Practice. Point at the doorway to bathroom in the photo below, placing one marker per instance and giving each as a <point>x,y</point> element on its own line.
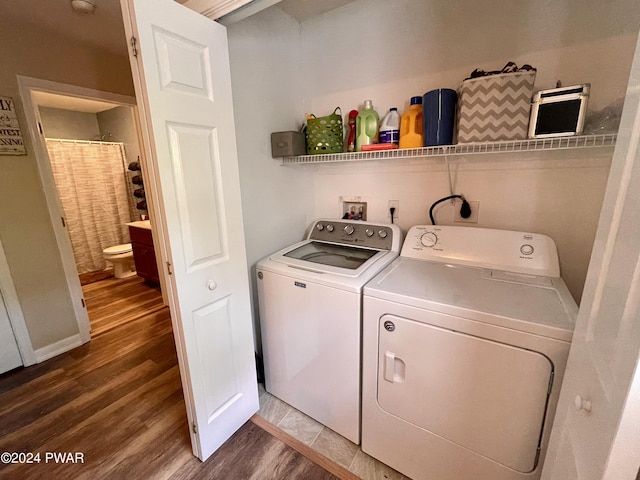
<point>92,182</point>
<point>90,162</point>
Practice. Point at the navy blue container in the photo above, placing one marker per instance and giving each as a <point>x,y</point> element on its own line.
<point>439,107</point>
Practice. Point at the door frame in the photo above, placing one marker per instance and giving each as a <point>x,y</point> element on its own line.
<point>27,87</point>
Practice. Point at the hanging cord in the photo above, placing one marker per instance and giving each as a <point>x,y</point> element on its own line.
<point>446,161</point>
<point>465,209</point>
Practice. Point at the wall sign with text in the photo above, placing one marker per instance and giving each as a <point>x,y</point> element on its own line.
<point>10,135</point>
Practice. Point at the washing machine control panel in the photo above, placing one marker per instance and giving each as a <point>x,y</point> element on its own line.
<point>357,233</point>
<point>518,252</point>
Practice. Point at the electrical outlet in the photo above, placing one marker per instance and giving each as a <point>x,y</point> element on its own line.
<point>354,210</point>
<point>475,208</point>
<point>395,204</point>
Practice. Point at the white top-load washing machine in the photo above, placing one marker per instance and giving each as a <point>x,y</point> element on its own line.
<point>465,341</point>
<point>310,298</point>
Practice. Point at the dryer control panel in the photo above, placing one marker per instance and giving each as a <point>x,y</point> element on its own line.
<point>519,252</point>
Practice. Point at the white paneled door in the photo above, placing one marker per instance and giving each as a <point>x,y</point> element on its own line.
<point>181,73</point>
<point>9,353</point>
<point>596,435</point>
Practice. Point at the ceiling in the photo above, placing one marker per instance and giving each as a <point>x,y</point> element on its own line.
<point>104,29</point>
<point>303,10</point>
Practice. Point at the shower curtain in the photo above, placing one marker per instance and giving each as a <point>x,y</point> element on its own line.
<point>91,183</point>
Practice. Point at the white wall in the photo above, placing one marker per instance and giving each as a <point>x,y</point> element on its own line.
<point>559,195</point>
<point>265,72</point>
<point>388,51</point>
<point>58,123</point>
<point>119,125</point>
<point>277,202</point>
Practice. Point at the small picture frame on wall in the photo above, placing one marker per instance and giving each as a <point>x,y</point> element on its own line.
<point>11,142</point>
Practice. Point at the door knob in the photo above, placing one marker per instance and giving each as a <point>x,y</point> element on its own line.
<point>212,285</point>
<point>582,403</point>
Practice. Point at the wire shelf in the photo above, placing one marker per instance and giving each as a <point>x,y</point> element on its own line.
<point>511,146</point>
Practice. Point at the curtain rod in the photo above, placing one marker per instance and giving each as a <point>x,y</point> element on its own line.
<point>70,140</point>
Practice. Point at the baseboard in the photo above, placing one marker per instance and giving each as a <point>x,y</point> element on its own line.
<point>62,346</point>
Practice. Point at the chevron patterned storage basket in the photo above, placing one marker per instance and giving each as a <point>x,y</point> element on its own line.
<point>495,107</point>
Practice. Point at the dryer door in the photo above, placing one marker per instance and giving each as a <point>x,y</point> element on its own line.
<point>488,397</point>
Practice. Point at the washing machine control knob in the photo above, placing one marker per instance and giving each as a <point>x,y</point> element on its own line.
<point>429,239</point>
<point>382,234</point>
<point>319,227</point>
<point>369,232</point>
<point>329,228</point>
<point>526,249</point>
<point>348,229</point>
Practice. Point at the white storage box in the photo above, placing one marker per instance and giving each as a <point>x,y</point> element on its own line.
<point>495,107</point>
<point>559,112</point>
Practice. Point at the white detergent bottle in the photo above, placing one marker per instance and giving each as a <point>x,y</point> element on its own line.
<point>390,127</point>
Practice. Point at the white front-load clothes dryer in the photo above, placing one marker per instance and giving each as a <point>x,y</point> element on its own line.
<point>310,297</point>
<point>465,341</point>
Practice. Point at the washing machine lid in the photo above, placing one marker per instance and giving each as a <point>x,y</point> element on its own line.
<point>341,256</point>
<point>124,248</point>
<point>339,261</point>
<point>340,250</point>
<point>539,305</point>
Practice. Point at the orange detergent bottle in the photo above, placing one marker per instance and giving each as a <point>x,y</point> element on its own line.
<point>411,125</point>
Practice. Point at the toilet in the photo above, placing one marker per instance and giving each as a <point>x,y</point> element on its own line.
<point>121,257</point>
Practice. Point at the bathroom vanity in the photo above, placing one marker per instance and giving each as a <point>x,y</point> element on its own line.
<point>144,254</point>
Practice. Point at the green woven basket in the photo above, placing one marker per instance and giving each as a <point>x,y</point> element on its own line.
<point>324,134</point>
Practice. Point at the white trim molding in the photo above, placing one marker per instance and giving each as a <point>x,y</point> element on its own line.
<point>229,11</point>
<point>28,86</point>
<point>61,346</point>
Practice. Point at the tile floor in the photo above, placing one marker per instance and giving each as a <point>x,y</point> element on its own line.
<point>323,440</point>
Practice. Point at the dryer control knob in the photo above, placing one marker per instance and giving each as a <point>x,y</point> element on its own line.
<point>319,227</point>
<point>348,229</point>
<point>382,234</point>
<point>329,228</point>
<point>369,232</point>
<point>429,239</point>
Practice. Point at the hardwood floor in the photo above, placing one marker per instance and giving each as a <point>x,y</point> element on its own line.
<point>253,453</point>
<point>115,301</point>
<point>116,405</point>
